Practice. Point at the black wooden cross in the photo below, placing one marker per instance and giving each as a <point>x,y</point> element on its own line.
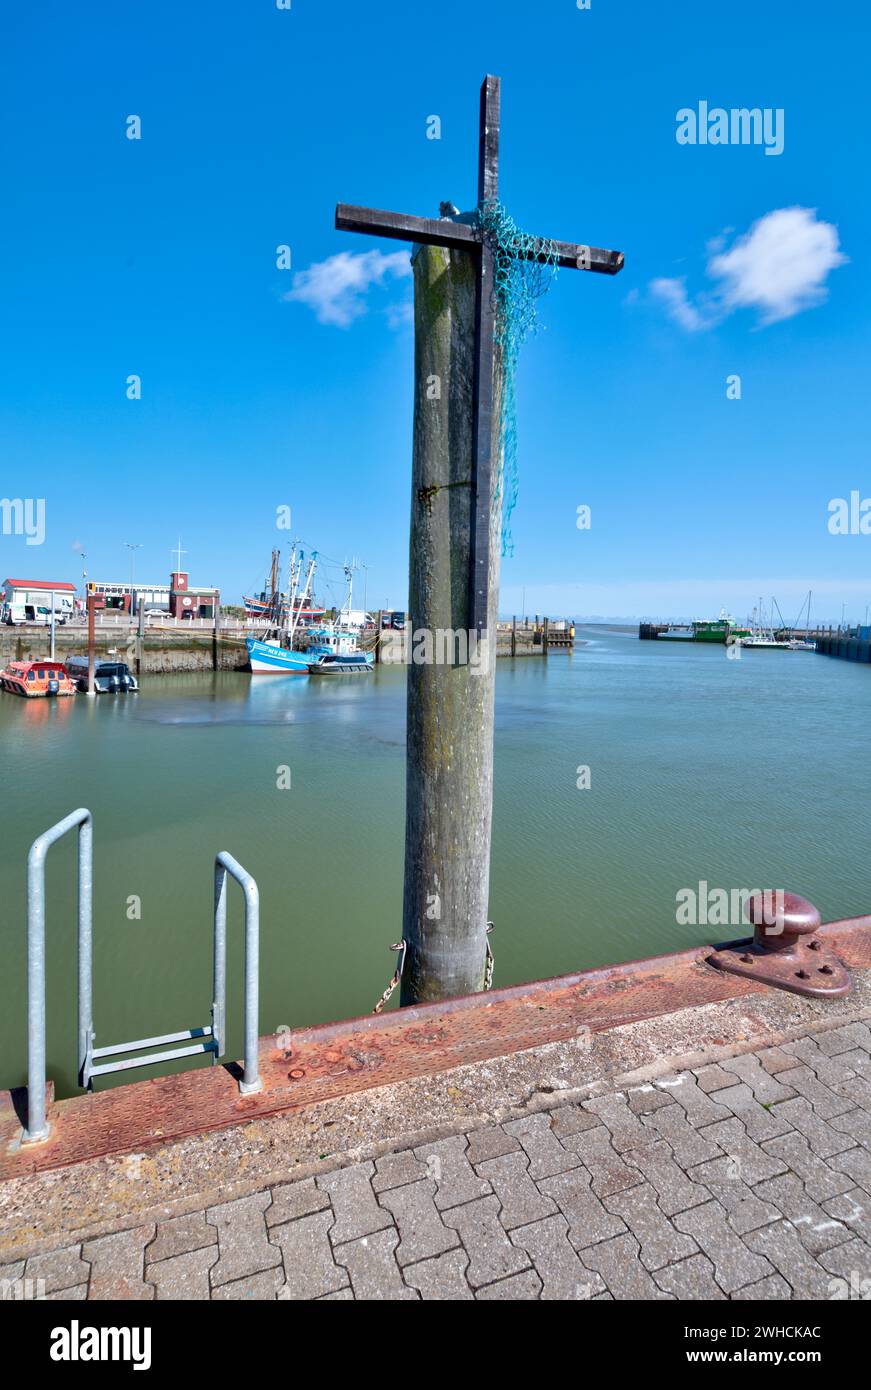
<point>459,236</point>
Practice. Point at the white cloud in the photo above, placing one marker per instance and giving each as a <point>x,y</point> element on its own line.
<point>336,288</point>
<point>779,267</point>
<point>673,294</point>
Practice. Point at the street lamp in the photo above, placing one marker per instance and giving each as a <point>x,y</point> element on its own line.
<point>133,546</point>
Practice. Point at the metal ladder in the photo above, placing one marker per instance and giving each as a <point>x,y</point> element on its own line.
<point>208,1039</point>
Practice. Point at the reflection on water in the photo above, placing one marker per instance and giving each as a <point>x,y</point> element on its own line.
<point>735,772</point>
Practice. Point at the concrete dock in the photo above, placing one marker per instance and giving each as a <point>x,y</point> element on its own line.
<point>656,1130</point>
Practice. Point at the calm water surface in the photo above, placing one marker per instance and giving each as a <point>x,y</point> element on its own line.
<point>741,773</point>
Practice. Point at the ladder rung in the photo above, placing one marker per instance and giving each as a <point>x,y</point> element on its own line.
<point>153,1057</point>
<point>148,1042</point>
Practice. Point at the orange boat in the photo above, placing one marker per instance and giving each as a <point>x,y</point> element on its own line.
<point>33,678</point>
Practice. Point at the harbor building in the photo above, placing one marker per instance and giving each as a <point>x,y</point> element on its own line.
<point>30,600</point>
<point>176,599</point>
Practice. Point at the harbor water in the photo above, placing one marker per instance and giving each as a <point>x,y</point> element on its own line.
<point>736,773</point>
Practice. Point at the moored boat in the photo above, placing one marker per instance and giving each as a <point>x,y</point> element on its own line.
<point>110,677</point>
<point>37,678</point>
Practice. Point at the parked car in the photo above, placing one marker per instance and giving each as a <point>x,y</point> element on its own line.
<point>398,623</point>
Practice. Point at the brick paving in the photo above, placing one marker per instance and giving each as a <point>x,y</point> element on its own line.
<point>748,1179</point>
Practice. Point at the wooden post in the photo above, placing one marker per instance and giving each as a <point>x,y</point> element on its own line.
<point>140,635</point>
<point>514,635</point>
<point>449,759</point>
<point>544,636</point>
<point>216,639</point>
<point>91,639</point>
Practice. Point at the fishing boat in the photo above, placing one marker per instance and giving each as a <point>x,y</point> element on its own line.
<point>333,652</point>
<point>278,652</point>
<point>36,678</point>
<point>271,603</point>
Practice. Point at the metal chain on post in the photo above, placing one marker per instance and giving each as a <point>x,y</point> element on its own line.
<point>488,970</point>
<point>400,946</point>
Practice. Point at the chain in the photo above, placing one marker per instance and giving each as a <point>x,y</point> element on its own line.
<point>488,970</point>
<point>400,946</point>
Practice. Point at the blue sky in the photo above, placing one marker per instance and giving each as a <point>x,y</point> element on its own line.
<point>158,257</point>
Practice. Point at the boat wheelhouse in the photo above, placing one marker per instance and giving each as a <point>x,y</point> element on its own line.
<point>36,678</point>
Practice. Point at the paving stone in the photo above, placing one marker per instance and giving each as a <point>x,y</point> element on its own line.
<point>78,1294</point>
<point>10,1272</point>
<point>242,1240</point>
<point>775,1060</point>
<point>751,1163</point>
<point>180,1235</point>
<point>856,1162</point>
<point>835,1040</point>
<point>183,1276</point>
<point>373,1269</point>
<point>61,1269</point>
<point>853,1209</point>
<point>258,1288</point>
<point>856,1123</point>
<point>293,1199</point>
<point>643,1100</point>
<point>610,1173</point>
<point>690,1279</point>
<point>759,1122</point>
<point>713,1078</point>
<point>520,1286</point>
<point>441,1278</point>
<point>310,1268</point>
<point>546,1154</point>
<point>117,1265</point>
<point>766,1088</point>
<point>765,1290</point>
<point>570,1119</point>
<point>660,1243</point>
<point>455,1178</point>
<point>824,1140</point>
<point>826,1068</point>
<point>357,1212</point>
<point>491,1254</point>
<point>701,1108</point>
<point>562,1274</point>
<point>734,1262</point>
<point>687,1145</point>
<point>395,1170</point>
<point>421,1232</point>
<point>490,1142</point>
<point>824,1100</point>
<point>625,1129</point>
<point>589,1220</point>
<point>674,1190</point>
<point>857,1090</point>
<point>859,1062</point>
<point>617,1262</point>
<point>345,1295</point>
<point>819,1178</point>
<point>744,1210</point>
<point>850,1262</point>
<point>521,1200</point>
<point>779,1243</point>
<point>817,1229</point>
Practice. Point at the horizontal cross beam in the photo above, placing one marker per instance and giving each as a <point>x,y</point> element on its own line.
<point>459,236</point>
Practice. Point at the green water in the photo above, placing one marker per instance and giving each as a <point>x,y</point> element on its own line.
<point>741,773</point>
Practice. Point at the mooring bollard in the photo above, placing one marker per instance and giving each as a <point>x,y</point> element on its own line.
<point>785,951</point>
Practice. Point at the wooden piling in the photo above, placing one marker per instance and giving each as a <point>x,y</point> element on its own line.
<point>449,768</point>
<point>91,642</point>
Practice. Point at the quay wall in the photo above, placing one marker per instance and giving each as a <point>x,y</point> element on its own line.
<point>169,652</point>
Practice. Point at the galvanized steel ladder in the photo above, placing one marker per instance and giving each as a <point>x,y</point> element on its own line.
<point>210,1038</point>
